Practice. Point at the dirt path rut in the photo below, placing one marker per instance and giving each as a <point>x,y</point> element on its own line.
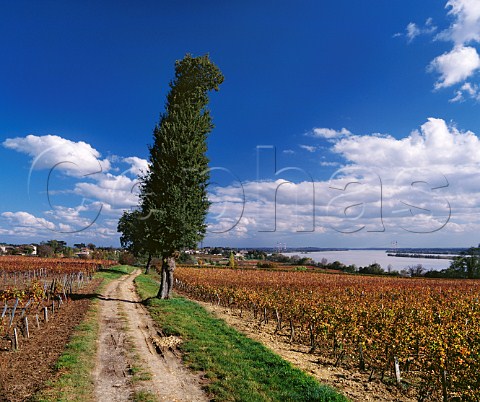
<point>128,342</point>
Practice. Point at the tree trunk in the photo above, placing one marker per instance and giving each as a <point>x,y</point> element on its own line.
<point>166,284</point>
<point>147,268</point>
<point>163,281</point>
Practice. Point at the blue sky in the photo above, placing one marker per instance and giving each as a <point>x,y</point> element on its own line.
<point>339,124</point>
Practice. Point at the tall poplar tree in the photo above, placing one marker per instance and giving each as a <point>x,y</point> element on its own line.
<point>174,200</point>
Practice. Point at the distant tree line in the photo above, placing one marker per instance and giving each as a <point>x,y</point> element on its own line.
<point>372,269</point>
<point>465,266</point>
<point>59,248</point>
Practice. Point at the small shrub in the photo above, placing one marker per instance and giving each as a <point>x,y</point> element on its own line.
<point>261,264</point>
<point>126,258</point>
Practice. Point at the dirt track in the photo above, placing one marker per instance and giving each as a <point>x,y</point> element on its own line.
<point>128,340</point>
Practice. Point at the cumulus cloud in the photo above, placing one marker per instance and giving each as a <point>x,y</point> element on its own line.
<point>139,166</point>
<point>330,133</point>
<point>462,62</point>
<point>268,206</point>
<point>455,66</point>
<point>425,182</point>
<point>82,194</point>
<point>53,152</point>
<point>118,191</point>
<point>26,220</point>
<point>436,144</point>
<point>466,25</point>
<point>429,175</point>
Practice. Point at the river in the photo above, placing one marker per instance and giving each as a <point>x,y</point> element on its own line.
<point>362,258</point>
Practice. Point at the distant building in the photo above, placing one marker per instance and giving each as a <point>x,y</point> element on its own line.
<point>5,248</point>
<point>83,253</point>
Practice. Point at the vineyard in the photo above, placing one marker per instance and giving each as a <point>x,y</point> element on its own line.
<point>420,334</point>
<point>32,290</point>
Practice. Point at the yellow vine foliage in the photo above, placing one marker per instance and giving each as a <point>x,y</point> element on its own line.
<point>432,326</point>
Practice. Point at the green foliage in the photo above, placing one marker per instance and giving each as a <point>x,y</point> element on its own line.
<point>53,247</point>
<point>186,259</point>
<point>173,194</point>
<point>256,255</point>
<point>372,269</point>
<point>466,265</point>
<point>126,258</point>
<point>231,260</point>
<point>134,232</point>
<point>144,396</point>
<point>266,264</point>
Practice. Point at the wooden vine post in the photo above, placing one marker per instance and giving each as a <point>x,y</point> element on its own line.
<point>27,332</point>
<point>15,338</point>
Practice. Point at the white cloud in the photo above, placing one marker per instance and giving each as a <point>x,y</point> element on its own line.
<point>413,30</point>
<point>139,166</point>
<point>426,182</point>
<point>386,183</point>
<point>26,220</point>
<point>64,228</point>
<point>455,66</point>
<point>329,164</point>
<point>308,148</point>
<point>468,89</point>
<point>466,25</point>
<point>118,191</point>
<point>471,90</point>
<point>462,62</point>
<point>436,144</point>
<point>78,218</point>
<point>330,133</point>
<point>81,174</point>
<point>273,205</point>
<point>75,159</point>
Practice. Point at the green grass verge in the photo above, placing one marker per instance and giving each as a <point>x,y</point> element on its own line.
<point>238,368</point>
<point>144,396</point>
<point>76,364</point>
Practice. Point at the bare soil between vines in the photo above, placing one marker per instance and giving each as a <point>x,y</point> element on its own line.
<point>25,371</point>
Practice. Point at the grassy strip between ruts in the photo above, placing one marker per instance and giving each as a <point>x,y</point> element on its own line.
<point>238,368</point>
<point>78,360</point>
